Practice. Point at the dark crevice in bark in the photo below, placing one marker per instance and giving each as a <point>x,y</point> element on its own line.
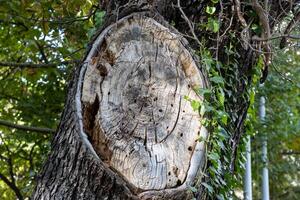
<point>93,131</point>
<point>90,111</point>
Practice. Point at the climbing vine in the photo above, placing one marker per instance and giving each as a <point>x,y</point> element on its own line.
<point>224,164</point>
<point>220,180</point>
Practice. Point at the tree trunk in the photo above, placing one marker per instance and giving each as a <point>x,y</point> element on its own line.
<point>129,130</point>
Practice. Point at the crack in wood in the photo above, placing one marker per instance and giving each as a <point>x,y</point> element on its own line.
<point>177,118</point>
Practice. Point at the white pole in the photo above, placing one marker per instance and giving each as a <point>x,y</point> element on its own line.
<point>265,172</point>
<point>248,177</point>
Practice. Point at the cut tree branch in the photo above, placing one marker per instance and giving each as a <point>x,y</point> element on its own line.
<point>36,65</point>
<point>26,128</point>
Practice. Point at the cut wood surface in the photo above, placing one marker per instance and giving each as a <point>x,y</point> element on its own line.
<point>135,113</point>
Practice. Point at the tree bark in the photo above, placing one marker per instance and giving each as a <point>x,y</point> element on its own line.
<point>127,132</point>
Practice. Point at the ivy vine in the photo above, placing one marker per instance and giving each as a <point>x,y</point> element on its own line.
<point>220,180</point>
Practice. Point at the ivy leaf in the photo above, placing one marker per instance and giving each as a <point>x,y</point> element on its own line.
<point>186,98</point>
<point>205,108</point>
<point>213,25</point>
<point>195,105</point>
<point>256,28</point>
<point>213,156</point>
<point>221,97</point>
<point>202,139</point>
<point>203,91</point>
<point>208,187</point>
<point>193,189</point>
<point>210,10</point>
<point>217,80</point>
<point>252,97</point>
<point>220,196</point>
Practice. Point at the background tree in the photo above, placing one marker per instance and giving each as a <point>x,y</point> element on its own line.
<point>281,127</point>
<point>38,50</point>
<point>57,32</point>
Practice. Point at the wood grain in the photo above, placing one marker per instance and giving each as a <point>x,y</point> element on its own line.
<point>134,110</point>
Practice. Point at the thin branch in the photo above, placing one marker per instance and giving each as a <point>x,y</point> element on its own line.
<point>284,77</point>
<point>290,152</point>
<point>218,33</point>
<point>11,169</point>
<point>41,50</point>
<point>26,128</point>
<point>59,21</point>
<point>263,18</point>
<point>36,65</point>
<point>12,186</point>
<point>295,37</point>
<point>230,23</point>
<point>188,22</point>
<point>239,13</point>
<point>266,33</point>
<point>289,28</point>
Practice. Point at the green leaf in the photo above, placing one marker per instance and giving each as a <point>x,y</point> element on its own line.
<point>202,139</point>
<point>195,105</point>
<point>205,108</point>
<point>193,189</point>
<point>210,10</point>
<point>213,25</point>
<point>217,79</point>
<point>186,98</point>
<point>220,197</point>
<point>213,156</point>
<point>252,97</point>
<point>221,97</point>
<point>208,187</point>
<point>203,91</point>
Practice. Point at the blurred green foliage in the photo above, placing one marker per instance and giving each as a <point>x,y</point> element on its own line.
<point>37,32</point>
<point>281,127</point>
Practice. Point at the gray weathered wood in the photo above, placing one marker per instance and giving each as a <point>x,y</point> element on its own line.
<point>139,73</point>
<point>127,131</point>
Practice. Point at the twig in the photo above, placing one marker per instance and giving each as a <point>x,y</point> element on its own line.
<point>289,28</point>
<point>296,37</point>
<point>36,65</point>
<point>263,18</point>
<point>239,13</point>
<point>66,20</point>
<point>290,152</point>
<point>26,128</point>
<point>245,34</point>
<point>12,186</point>
<point>281,75</point>
<point>230,23</point>
<point>188,22</point>
<point>266,33</point>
